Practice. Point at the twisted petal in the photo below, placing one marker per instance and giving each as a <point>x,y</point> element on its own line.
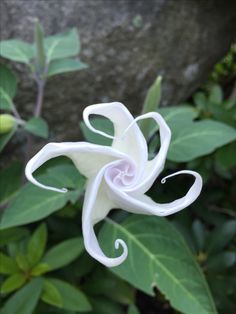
<point>88,158</point>
<point>131,143</point>
<point>154,167</point>
<point>142,204</point>
<point>96,206</point>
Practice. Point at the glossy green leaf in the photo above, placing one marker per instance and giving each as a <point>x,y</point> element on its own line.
<point>51,294</point>
<point>178,115</point>
<point>101,124</point>
<point>5,100</point>
<point>62,45</point>
<point>7,265</point>
<point>64,253</point>
<point>10,181</point>
<point>221,236</point>
<point>40,269</point>
<point>23,262</point>
<point>156,246</point>
<point>12,235</point>
<point>151,103</point>
<point>72,298</point>
<point>33,204</point>
<point>37,126</point>
<point>13,283</point>
<point>37,244</point>
<point>8,81</point>
<point>193,140</point>
<point>216,95</point>
<point>24,300</point>
<point>5,138</point>
<point>16,50</point>
<point>65,65</point>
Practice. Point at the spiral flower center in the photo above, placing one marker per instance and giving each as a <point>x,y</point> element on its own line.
<point>121,174</point>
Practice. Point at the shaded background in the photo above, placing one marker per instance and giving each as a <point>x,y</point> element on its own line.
<point>126,43</point>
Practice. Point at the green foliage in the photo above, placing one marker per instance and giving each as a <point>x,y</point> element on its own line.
<point>151,103</point>
<point>64,253</point>
<point>65,65</point>
<point>198,139</point>
<point>25,300</point>
<point>72,298</point>
<point>37,126</point>
<point>154,242</point>
<point>36,245</point>
<point>16,50</point>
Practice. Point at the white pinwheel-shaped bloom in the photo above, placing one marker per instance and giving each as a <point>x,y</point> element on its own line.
<point>117,176</point>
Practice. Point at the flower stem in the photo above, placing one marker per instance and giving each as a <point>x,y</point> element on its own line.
<point>40,95</point>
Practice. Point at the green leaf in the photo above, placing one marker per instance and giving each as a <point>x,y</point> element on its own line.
<point>64,253</point>
<point>51,295</point>
<point>62,45</point>
<point>221,261</point>
<point>221,236</point>
<point>103,305</point>
<point>10,181</point>
<point>101,124</point>
<point>23,262</point>
<point>37,244</point>
<point>16,50</point>
<point>156,246</point>
<point>72,298</point>
<point>5,138</point>
<point>13,283</point>
<point>7,265</point>
<point>65,65</point>
<point>8,81</point>
<point>12,235</point>
<point>39,47</point>
<point>200,100</point>
<point>193,140</point>
<point>216,95</point>
<point>40,269</point>
<point>25,300</point>
<point>133,309</point>
<point>177,115</point>
<point>5,101</point>
<point>37,126</point>
<point>32,204</point>
<point>151,103</point>
<point>103,282</point>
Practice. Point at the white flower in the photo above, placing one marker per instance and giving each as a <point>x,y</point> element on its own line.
<point>117,176</point>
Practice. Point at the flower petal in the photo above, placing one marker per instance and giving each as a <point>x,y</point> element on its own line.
<point>131,143</point>
<point>96,206</point>
<point>88,158</point>
<point>143,204</point>
<point>154,167</point>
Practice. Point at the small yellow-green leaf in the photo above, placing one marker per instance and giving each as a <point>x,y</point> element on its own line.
<point>22,262</point>
<point>13,283</point>
<point>7,265</point>
<point>36,245</point>
<point>37,126</point>
<point>16,50</point>
<point>51,294</point>
<point>40,269</point>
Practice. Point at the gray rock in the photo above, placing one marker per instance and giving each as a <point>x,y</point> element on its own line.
<point>127,43</point>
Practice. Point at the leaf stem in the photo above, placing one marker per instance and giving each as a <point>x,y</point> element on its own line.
<point>40,96</point>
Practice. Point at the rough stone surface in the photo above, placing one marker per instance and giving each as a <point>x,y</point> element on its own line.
<point>127,43</point>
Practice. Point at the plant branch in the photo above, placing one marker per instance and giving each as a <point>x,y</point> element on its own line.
<point>40,95</point>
